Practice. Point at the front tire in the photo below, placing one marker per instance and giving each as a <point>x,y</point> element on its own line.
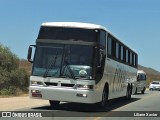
<point>104,101</point>
<point>54,104</point>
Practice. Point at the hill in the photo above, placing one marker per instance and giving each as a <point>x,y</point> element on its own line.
<point>152,74</point>
<point>149,70</point>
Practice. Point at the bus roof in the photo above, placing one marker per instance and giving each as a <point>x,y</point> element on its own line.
<point>73,25</point>
<point>80,25</point>
<point>141,72</point>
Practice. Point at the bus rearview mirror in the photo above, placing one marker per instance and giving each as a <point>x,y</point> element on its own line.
<point>29,54</point>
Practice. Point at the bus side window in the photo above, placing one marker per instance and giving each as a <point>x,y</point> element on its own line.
<point>109,51</point>
<point>138,78</point>
<point>101,55</point>
<point>102,49</point>
<point>144,77</point>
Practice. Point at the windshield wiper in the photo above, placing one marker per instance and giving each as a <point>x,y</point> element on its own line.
<point>52,63</point>
<point>69,69</point>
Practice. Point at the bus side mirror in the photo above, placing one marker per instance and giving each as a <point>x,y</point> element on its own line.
<point>30,53</point>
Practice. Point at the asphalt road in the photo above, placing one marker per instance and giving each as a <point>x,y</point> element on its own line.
<point>139,105</point>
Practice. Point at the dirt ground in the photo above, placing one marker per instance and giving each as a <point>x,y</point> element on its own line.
<point>14,103</point>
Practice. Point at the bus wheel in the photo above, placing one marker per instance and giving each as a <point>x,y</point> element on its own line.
<point>128,93</point>
<point>143,90</point>
<point>104,101</point>
<point>151,89</point>
<point>136,91</point>
<point>54,104</point>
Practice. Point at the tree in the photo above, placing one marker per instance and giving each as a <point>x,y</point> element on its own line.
<point>11,76</point>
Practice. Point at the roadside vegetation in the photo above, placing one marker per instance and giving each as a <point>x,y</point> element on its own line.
<point>14,79</point>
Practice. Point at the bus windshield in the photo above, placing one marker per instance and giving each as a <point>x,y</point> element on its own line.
<point>50,61</point>
<point>62,33</point>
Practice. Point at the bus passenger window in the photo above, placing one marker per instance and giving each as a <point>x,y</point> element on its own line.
<point>121,52</point>
<point>102,38</point>
<point>131,58</point>
<point>117,50</point>
<point>126,56</point>
<point>113,48</point>
<point>109,46</point>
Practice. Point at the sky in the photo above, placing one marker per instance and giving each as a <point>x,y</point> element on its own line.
<point>135,22</point>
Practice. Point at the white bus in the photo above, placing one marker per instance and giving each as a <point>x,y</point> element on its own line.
<point>141,82</point>
<point>82,63</point>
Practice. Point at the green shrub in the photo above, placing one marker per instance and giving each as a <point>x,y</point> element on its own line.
<point>5,92</point>
<point>13,79</point>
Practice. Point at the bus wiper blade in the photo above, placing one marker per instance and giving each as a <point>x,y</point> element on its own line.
<point>52,63</point>
<point>69,69</point>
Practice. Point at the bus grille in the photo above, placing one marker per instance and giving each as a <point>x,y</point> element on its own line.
<point>51,84</point>
<point>56,84</point>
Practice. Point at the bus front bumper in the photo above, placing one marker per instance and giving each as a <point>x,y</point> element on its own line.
<point>62,94</point>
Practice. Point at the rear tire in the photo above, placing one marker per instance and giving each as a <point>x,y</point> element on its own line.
<point>54,104</point>
<point>136,91</point>
<point>151,89</point>
<point>143,90</point>
<point>128,93</point>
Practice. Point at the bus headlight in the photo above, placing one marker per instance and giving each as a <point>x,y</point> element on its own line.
<point>36,83</point>
<point>84,87</point>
